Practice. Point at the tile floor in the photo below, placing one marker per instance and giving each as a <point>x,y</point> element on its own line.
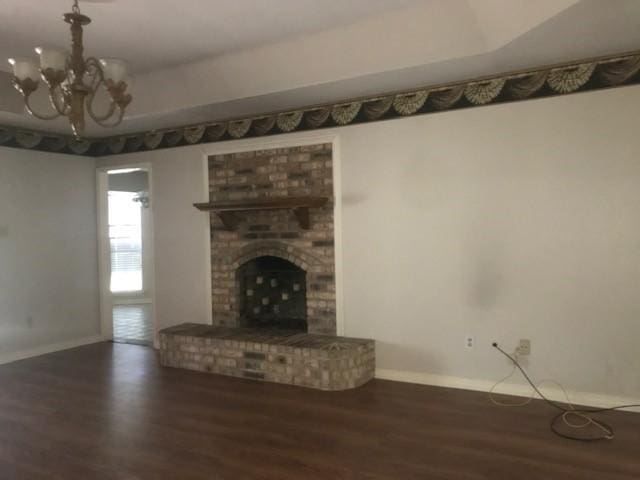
<point>132,324</point>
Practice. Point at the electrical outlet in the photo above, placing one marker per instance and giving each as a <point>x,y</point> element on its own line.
<point>524,347</point>
<point>468,342</point>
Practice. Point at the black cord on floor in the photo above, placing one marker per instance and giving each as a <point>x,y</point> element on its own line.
<point>583,413</point>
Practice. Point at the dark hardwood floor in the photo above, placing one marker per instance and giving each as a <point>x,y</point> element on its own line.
<point>109,411</point>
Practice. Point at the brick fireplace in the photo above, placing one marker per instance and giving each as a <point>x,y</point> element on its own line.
<point>273,276</point>
<point>271,174</point>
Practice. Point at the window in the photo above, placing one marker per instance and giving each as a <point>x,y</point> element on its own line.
<point>125,240</point>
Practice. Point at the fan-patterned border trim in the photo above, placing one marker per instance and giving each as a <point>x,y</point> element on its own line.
<point>604,72</point>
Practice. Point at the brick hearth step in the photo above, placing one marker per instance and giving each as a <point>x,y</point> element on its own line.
<point>317,361</point>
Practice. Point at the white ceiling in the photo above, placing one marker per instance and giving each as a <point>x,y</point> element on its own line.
<point>200,60</point>
<point>154,34</point>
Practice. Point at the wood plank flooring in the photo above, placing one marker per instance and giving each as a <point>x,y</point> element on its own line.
<point>108,411</point>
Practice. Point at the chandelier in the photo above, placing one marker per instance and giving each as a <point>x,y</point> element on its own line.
<point>74,81</point>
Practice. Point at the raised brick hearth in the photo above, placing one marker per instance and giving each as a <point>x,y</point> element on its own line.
<point>317,361</point>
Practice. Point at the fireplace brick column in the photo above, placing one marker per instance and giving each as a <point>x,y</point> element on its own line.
<point>282,172</point>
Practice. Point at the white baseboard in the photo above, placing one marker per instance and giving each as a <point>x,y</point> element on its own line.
<point>589,399</point>
<point>43,350</point>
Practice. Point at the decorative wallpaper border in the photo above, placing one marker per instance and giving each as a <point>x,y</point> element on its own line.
<point>584,75</point>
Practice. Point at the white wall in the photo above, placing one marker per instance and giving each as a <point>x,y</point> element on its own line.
<point>504,222</point>
<point>48,260</point>
<point>182,284</point>
<point>509,221</point>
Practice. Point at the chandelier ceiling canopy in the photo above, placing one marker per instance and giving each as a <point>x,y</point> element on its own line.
<point>73,81</point>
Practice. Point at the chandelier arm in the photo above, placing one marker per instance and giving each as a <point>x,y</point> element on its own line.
<point>93,68</point>
<point>54,98</point>
<point>99,118</point>
<point>97,79</point>
<point>102,123</point>
<point>89,104</point>
<point>39,116</point>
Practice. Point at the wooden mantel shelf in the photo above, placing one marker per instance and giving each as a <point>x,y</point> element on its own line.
<point>299,205</point>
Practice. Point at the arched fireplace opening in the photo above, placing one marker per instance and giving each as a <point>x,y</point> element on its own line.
<point>273,294</point>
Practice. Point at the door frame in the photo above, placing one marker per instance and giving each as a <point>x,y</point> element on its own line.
<point>104,250</point>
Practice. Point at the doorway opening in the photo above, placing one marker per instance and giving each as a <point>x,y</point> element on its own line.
<point>129,255</point>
